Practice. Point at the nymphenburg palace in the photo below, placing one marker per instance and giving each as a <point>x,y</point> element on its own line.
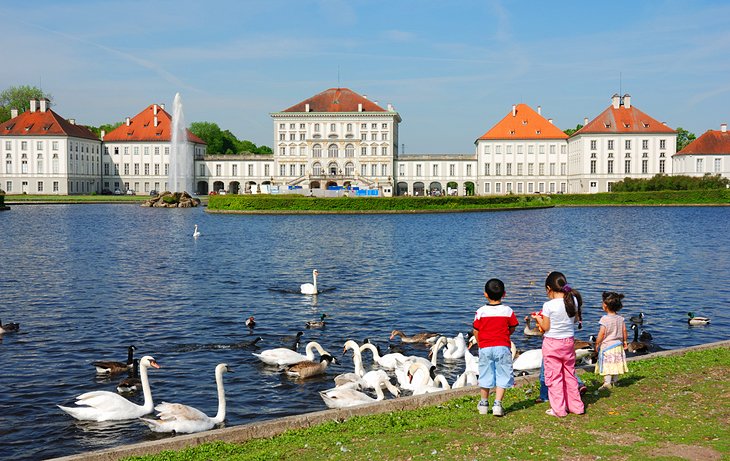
<point>339,139</point>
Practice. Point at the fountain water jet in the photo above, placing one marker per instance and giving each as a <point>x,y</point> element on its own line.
<point>180,175</point>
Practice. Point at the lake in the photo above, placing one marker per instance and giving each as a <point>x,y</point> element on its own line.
<point>86,281</point>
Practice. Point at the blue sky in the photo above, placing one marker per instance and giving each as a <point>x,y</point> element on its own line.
<point>452,69</point>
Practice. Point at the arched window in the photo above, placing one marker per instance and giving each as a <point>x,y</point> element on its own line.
<point>349,169</point>
<point>332,168</point>
<point>317,169</point>
<point>349,150</point>
<point>333,151</point>
<point>317,150</point>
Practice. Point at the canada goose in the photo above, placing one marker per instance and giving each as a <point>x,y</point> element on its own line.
<point>645,336</point>
<point>9,327</point>
<point>580,344</point>
<point>108,406</point>
<point>110,367</point>
<point>529,329</point>
<point>638,319</point>
<point>636,346</point>
<point>132,383</point>
<point>317,323</point>
<point>694,320</point>
<point>310,368</point>
<point>247,344</point>
<point>182,419</point>
<point>423,338</point>
<point>250,322</point>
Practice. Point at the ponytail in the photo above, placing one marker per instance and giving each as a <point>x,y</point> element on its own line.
<point>572,298</point>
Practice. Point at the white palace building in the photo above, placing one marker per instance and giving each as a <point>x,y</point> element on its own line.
<point>339,139</point>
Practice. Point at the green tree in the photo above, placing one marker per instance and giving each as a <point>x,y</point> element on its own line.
<point>212,135</point>
<point>264,150</point>
<point>107,127</point>
<point>684,137</point>
<point>570,131</point>
<point>18,97</point>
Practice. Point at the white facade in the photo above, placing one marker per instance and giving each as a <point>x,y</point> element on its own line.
<point>427,173</point>
<point>707,155</point>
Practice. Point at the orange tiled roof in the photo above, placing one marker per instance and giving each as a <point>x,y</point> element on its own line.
<point>526,123</point>
<point>336,100</point>
<point>623,120</point>
<point>712,142</point>
<point>142,128</point>
<point>47,123</point>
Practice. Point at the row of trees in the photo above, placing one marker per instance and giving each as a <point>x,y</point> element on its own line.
<point>663,182</point>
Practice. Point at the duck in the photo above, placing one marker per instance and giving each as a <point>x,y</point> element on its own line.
<point>281,356</point>
<point>251,322</point>
<point>309,368</point>
<point>109,367</point>
<point>196,232</point>
<point>317,323</point>
<point>310,288</point>
<point>131,384</point>
<point>423,338</point>
<point>637,346</point>
<point>388,361</point>
<point>530,330</point>
<point>694,320</point>
<point>343,397</point>
<point>8,327</point>
<point>108,406</point>
<point>638,319</point>
<point>183,419</point>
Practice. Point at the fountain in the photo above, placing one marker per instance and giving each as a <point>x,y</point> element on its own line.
<point>180,174</point>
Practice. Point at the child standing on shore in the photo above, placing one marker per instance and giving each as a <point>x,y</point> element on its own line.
<point>611,341</point>
<point>557,319</point>
<point>493,324</point>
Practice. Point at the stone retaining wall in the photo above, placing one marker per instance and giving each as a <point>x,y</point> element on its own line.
<point>274,427</point>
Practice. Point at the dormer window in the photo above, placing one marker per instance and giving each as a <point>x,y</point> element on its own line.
<point>627,125</point>
<point>646,125</point>
<point>537,131</point>
<point>607,125</point>
<point>524,122</point>
<point>512,132</point>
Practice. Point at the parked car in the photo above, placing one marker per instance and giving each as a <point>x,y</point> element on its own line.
<point>153,193</point>
<point>117,192</point>
<point>131,192</point>
<point>106,192</point>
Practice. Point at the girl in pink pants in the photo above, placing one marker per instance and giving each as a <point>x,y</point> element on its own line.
<point>557,319</point>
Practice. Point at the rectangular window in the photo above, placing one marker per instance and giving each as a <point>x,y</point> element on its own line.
<point>468,170</point>
<point>364,151</point>
<point>39,168</point>
<point>55,186</point>
<point>126,150</point>
<point>562,187</point>
<point>157,169</point>
<point>508,169</point>
<point>486,169</point>
<point>40,186</point>
<point>384,151</point>
<point>126,168</point>
<point>627,166</point>
<point>609,186</point>
<point>610,144</point>
<point>486,187</point>
<point>700,166</point>
<point>9,144</point>
<point>497,170</point>
<point>627,144</point>
<point>146,169</point>
<point>520,168</point>
<point>552,169</point>
<point>435,170</point>
<point>718,165</point>
<point>136,168</point>
<point>146,150</point>
<point>509,148</point>
<point>9,186</point>
<point>498,149</point>
<point>541,168</point>
<point>39,145</point>
<point>497,187</point>
<point>234,170</point>
<point>266,170</point>
<point>282,170</point>
<point>609,167</point>
<point>419,170</point>
<point>384,169</point>
<point>363,170</point>
<point>373,170</point>
<point>452,169</point>
<point>563,169</point>
<point>552,188</point>
<point>645,144</point>
<point>662,143</point>
<point>301,169</point>
<point>530,169</point>
<point>167,169</point>
<point>147,187</point>
<point>292,170</point>
<point>541,187</point>
<point>201,170</point>
<point>593,166</point>
<point>250,169</point>
<point>541,148</point>
<point>401,170</point>
<point>23,145</point>
<point>508,187</point>
<point>519,188</point>
<point>106,169</point>
<point>218,169</point>
<point>645,166</point>
<point>373,150</point>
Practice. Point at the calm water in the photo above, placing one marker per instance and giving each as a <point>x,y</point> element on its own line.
<point>86,281</point>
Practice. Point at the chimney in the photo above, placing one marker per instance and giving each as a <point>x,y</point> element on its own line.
<point>365,96</point>
<point>539,110</point>
<point>514,110</point>
<point>723,127</point>
<point>13,113</point>
<point>44,104</point>
<point>616,100</point>
<point>72,121</point>
<point>162,106</point>
<point>33,104</point>
<point>376,103</point>
<point>127,121</point>
<point>585,121</point>
<point>156,118</point>
<point>154,111</point>
<point>550,121</point>
<point>390,108</point>
<point>359,107</point>
<point>103,133</point>
<point>306,108</point>
<point>627,101</point>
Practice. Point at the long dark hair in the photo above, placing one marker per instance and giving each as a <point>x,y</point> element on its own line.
<point>573,300</point>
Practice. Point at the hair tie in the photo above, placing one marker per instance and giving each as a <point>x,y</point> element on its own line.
<point>567,289</point>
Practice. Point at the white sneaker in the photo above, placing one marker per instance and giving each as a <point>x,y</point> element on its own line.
<point>497,410</point>
<point>483,407</point>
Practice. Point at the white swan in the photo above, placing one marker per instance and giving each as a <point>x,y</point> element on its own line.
<point>528,360</point>
<point>108,406</point>
<point>427,381</point>
<point>341,397</point>
<point>387,361</point>
<point>310,288</point>
<point>281,356</point>
<point>196,232</point>
<point>358,379</point>
<point>455,347</point>
<point>182,419</point>
<point>468,378</point>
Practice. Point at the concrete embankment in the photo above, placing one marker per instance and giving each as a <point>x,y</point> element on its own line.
<point>277,426</point>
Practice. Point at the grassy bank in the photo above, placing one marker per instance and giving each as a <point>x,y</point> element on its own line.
<point>298,203</point>
<point>667,407</point>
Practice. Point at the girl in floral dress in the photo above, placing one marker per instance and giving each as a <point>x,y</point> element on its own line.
<point>611,341</point>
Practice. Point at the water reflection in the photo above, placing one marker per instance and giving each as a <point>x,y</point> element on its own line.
<point>86,281</point>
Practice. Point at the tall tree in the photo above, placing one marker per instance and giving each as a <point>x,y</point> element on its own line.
<point>18,97</point>
<point>107,127</point>
<point>684,137</point>
<point>570,131</point>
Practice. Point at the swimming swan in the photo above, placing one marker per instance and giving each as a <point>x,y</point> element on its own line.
<point>310,288</point>
<point>196,232</point>
<point>108,406</point>
<point>182,419</point>
<point>281,356</point>
<point>340,397</point>
<point>388,361</point>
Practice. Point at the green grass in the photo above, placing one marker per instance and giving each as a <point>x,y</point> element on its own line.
<point>663,406</point>
<point>27,198</point>
<point>298,203</point>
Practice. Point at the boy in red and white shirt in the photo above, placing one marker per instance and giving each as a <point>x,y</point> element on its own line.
<point>493,324</point>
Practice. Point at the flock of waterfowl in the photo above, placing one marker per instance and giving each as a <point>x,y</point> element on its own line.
<point>393,372</point>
